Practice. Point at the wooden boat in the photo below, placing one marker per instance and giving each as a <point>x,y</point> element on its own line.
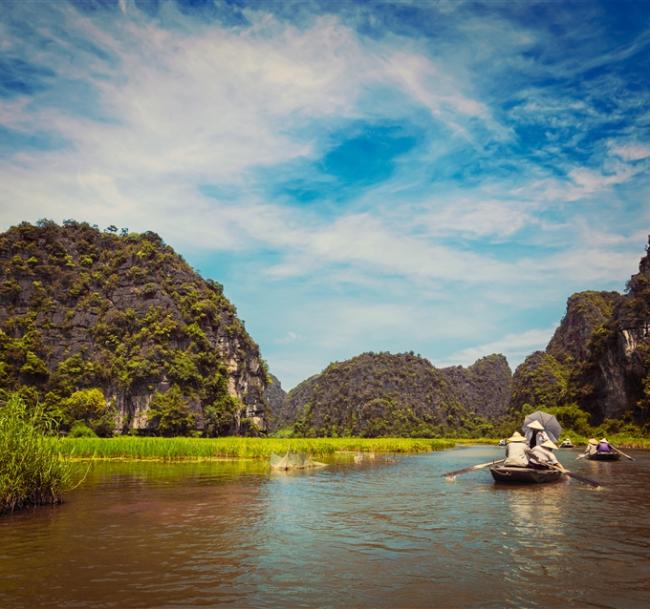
<point>524,475</point>
<point>613,456</point>
<point>566,444</point>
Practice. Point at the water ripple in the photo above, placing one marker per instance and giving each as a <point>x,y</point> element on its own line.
<point>378,534</point>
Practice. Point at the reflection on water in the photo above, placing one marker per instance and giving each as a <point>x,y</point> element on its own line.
<point>370,534</point>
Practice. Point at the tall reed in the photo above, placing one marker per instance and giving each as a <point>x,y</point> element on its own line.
<point>31,469</point>
<point>169,449</point>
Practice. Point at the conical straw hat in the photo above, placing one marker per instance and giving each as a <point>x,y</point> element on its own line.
<point>593,442</point>
<point>604,440</point>
<point>516,437</point>
<point>548,444</point>
<point>535,425</point>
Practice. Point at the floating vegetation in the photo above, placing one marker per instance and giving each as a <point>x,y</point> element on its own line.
<point>31,469</point>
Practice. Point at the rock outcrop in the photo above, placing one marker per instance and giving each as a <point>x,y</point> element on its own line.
<point>483,388</point>
<point>379,394</point>
<point>598,358</point>
<point>80,308</point>
<point>614,379</point>
<point>275,397</point>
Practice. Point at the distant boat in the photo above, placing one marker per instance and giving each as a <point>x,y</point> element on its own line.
<point>524,475</point>
<point>502,442</point>
<point>599,456</point>
<point>566,443</point>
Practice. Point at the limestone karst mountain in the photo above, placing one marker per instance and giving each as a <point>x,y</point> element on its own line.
<point>598,358</point>
<point>379,394</point>
<point>85,313</point>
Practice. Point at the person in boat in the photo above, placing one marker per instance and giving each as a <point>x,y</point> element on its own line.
<point>591,447</point>
<point>542,455</point>
<point>604,446</point>
<point>516,451</point>
<point>539,434</point>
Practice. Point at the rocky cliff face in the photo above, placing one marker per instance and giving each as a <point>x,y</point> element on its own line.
<point>377,394</point>
<point>275,397</point>
<point>80,308</point>
<point>586,312</point>
<point>614,379</point>
<point>483,388</point>
<point>598,358</point>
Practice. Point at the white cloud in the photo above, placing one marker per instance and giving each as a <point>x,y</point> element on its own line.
<point>631,152</point>
<point>587,264</point>
<point>290,337</point>
<point>366,240</point>
<point>514,346</point>
<point>478,218</point>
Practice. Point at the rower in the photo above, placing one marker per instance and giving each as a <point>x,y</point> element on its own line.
<point>516,451</point>
<point>604,446</point>
<point>542,455</point>
<point>591,447</point>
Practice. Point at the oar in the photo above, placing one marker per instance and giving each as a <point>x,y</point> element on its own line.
<point>620,452</point>
<point>576,476</point>
<point>471,468</point>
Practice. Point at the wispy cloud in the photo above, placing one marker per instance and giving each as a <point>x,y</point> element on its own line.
<point>514,346</point>
<point>431,174</point>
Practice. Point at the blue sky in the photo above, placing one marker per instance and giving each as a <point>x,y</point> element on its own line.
<point>387,176</point>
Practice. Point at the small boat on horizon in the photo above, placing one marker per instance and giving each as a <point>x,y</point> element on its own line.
<point>566,443</point>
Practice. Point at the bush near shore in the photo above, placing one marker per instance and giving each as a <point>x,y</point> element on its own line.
<point>31,469</point>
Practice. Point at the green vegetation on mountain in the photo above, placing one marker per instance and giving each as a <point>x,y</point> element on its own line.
<point>117,333</point>
<point>541,380</point>
<point>382,394</point>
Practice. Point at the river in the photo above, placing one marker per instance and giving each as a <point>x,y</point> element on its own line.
<point>385,533</point>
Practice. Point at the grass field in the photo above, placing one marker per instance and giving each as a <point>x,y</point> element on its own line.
<point>169,449</point>
<point>172,449</point>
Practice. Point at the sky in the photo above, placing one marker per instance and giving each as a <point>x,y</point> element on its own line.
<point>436,177</point>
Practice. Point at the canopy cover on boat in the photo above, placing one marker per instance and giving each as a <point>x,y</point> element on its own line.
<point>548,421</point>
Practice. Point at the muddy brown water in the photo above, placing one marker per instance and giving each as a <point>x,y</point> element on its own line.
<point>379,534</point>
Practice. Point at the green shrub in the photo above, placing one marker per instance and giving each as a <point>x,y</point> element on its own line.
<point>170,414</point>
<point>80,430</point>
<point>221,416</point>
<point>89,406</point>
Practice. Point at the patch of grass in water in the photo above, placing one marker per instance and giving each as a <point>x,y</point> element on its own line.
<point>31,469</point>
